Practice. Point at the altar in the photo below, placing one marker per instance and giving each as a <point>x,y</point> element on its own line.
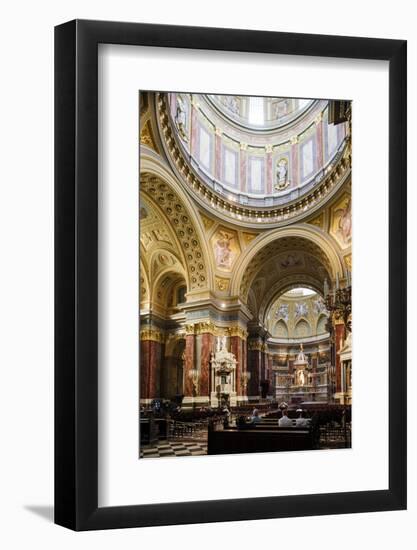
<point>223,377</point>
<point>301,384</point>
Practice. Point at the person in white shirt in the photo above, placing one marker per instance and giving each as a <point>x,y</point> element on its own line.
<point>255,418</point>
<point>284,421</point>
<point>300,421</point>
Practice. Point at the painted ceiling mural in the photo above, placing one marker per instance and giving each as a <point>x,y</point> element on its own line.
<point>189,245</point>
<point>271,158</point>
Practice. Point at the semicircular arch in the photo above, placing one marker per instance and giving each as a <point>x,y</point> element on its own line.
<point>157,182</point>
<point>262,248</point>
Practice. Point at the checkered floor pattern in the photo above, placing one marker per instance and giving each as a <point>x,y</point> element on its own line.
<point>174,448</point>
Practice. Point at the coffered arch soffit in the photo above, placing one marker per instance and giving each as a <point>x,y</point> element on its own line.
<point>158,183</point>
<point>310,242</point>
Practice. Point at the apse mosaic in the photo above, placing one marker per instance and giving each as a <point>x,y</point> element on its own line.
<point>245,275</point>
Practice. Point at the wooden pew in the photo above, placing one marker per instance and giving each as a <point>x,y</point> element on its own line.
<point>259,440</point>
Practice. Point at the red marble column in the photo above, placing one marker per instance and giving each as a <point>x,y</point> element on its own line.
<point>207,347</point>
<point>150,369</point>
<point>236,347</point>
<point>189,364</point>
<point>339,334</point>
<point>144,369</point>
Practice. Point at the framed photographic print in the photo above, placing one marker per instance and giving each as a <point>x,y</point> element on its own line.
<point>230,275</point>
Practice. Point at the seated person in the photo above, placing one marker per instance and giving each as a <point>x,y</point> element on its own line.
<point>255,418</point>
<point>284,421</point>
<point>241,423</point>
<point>301,422</point>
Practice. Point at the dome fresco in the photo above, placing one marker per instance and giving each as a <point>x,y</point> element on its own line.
<point>254,151</point>
<point>299,313</point>
<point>259,113</point>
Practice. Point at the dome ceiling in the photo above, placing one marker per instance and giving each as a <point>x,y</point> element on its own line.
<point>259,114</point>
<point>254,157</point>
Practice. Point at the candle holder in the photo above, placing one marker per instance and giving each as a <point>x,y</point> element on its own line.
<point>246,376</point>
<point>194,376</point>
<point>339,305</point>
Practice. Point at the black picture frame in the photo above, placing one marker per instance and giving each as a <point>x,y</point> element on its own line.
<point>76,272</point>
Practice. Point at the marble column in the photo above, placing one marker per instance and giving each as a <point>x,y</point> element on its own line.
<point>236,347</point>
<point>151,356</point>
<point>243,166</point>
<point>254,366</point>
<point>189,364</point>
<point>218,155</point>
<point>319,143</point>
<point>194,135</point>
<point>207,348</point>
<point>295,177</point>
<point>339,336</point>
<point>269,174</point>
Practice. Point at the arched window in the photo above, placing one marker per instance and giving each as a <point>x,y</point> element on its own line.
<point>181,294</point>
<point>281,329</point>
<point>302,329</point>
<point>321,324</point>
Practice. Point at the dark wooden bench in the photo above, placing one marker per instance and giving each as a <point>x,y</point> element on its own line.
<point>148,431</point>
<point>260,440</point>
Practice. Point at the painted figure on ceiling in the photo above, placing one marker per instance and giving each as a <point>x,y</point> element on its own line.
<point>222,251</point>
<point>301,310</point>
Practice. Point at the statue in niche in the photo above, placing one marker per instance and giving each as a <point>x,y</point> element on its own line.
<point>281,174</point>
<point>301,378</point>
<point>221,344</point>
<point>181,118</point>
<point>222,251</point>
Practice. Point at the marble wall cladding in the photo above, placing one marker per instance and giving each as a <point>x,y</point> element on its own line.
<point>254,367</point>
<point>189,364</point>
<point>339,338</point>
<point>207,348</point>
<point>236,347</point>
<point>151,357</point>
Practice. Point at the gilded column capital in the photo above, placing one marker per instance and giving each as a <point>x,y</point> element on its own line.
<point>151,334</point>
<point>238,331</point>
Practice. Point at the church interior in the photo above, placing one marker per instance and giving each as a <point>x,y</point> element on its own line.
<point>245,274</point>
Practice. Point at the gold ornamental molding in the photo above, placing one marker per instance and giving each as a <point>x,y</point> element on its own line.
<point>222,284</point>
<point>238,331</point>
<point>152,335</point>
<point>255,345</point>
<point>334,177</point>
<point>210,328</point>
<point>182,223</point>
